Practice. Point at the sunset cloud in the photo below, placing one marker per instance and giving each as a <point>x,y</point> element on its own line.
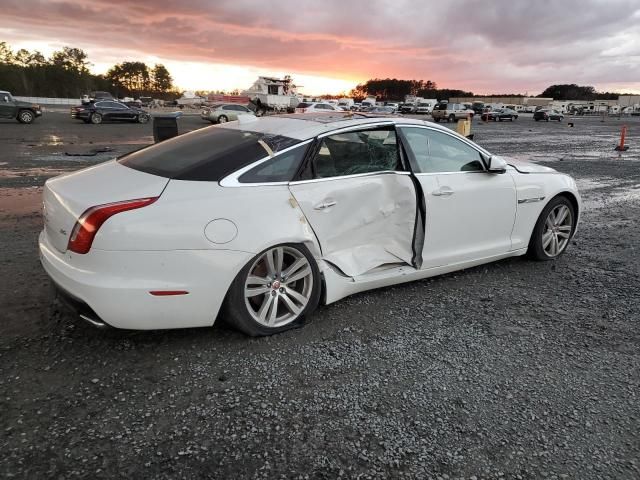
<point>499,46</point>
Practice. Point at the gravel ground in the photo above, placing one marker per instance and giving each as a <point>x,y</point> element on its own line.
<point>516,369</point>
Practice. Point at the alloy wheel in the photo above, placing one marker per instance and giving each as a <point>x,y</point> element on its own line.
<point>557,230</point>
<point>278,286</point>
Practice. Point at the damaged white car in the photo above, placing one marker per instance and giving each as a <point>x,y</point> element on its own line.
<point>258,221</point>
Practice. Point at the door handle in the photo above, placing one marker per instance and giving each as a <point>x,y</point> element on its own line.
<point>327,204</point>
<point>442,193</point>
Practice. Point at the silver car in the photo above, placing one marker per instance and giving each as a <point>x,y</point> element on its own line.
<point>224,113</point>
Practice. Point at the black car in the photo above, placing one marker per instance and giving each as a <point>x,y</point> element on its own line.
<point>108,110</point>
<point>500,114</point>
<point>547,114</point>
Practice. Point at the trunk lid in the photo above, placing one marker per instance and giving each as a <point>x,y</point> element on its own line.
<point>66,197</point>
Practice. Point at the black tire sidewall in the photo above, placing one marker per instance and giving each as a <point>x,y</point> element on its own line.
<point>220,117</point>
<point>235,312</point>
<point>95,115</point>
<point>535,249</point>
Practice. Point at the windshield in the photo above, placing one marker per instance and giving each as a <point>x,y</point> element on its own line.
<point>208,154</point>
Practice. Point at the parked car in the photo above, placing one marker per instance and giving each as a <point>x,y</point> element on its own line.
<point>408,108</point>
<point>424,108</point>
<point>96,96</point>
<point>478,107</point>
<point>24,112</point>
<point>450,112</point>
<point>500,114</point>
<point>395,106</point>
<point>110,111</point>
<point>224,113</point>
<point>305,107</point>
<point>385,110</point>
<point>547,114</point>
<point>258,222</point>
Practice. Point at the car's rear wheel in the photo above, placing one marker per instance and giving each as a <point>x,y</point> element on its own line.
<point>26,116</point>
<point>553,230</point>
<point>274,291</point>
<point>143,118</point>
<point>223,119</point>
<point>95,118</point>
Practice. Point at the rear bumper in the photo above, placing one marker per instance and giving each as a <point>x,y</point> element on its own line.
<point>81,309</point>
<point>114,287</point>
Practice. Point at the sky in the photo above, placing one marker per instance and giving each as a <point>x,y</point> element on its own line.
<point>329,46</point>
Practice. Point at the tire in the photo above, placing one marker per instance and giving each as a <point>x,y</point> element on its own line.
<point>556,234</point>
<point>437,120</point>
<point>537,119</point>
<point>95,118</point>
<point>143,118</point>
<point>254,314</point>
<point>451,118</point>
<point>26,116</point>
<point>223,119</point>
<point>547,119</point>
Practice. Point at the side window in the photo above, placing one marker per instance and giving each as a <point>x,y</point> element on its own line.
<point>227,107</point>
<point>438,152</point>
<point>280,168</point>
<point>351,153</point>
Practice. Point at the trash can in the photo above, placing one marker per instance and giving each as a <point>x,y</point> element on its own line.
<point>464,127</point>
<point>165,126</point>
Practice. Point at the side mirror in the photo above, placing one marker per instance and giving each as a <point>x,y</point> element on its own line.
<point>496,165</point>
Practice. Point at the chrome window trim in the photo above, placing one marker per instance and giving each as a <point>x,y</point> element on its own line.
<point>477,148</point>
<point>362,126</point>
<point>231,180</point>
<point>355,175</point>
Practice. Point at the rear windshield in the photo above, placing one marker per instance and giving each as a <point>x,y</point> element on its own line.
<point>207,154</point>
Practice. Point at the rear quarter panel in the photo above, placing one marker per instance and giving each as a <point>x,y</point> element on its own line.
<point>263,216</point>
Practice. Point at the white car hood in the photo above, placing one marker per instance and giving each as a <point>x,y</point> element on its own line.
<point>528,167</point>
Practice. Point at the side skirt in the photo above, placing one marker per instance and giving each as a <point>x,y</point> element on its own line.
<point>339,286</point>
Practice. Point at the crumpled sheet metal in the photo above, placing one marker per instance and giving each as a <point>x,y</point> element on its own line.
<point>370,225</point>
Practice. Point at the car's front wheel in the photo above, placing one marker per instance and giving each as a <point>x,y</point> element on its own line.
<point>274,291</point>
<point>553,230</point>
<point>452,118</point>
<point>223,119</point>
<point>26,116</point>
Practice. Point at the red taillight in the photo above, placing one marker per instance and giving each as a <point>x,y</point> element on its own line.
<point>92,219</point>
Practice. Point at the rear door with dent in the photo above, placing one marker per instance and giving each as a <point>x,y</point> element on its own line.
<point>360,200</point>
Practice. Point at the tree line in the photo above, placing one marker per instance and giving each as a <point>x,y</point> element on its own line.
<point>66,74</point>
<point>392,89</point>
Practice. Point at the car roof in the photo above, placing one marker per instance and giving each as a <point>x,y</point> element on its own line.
<point>304,126</point>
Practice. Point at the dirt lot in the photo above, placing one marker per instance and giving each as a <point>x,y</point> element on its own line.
<point>516,369</point>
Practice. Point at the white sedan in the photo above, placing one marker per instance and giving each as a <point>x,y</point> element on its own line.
<point>305,107</point>
<point>258,221</point>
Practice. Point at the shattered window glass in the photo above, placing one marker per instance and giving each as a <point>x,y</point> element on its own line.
<point>352,153</point>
